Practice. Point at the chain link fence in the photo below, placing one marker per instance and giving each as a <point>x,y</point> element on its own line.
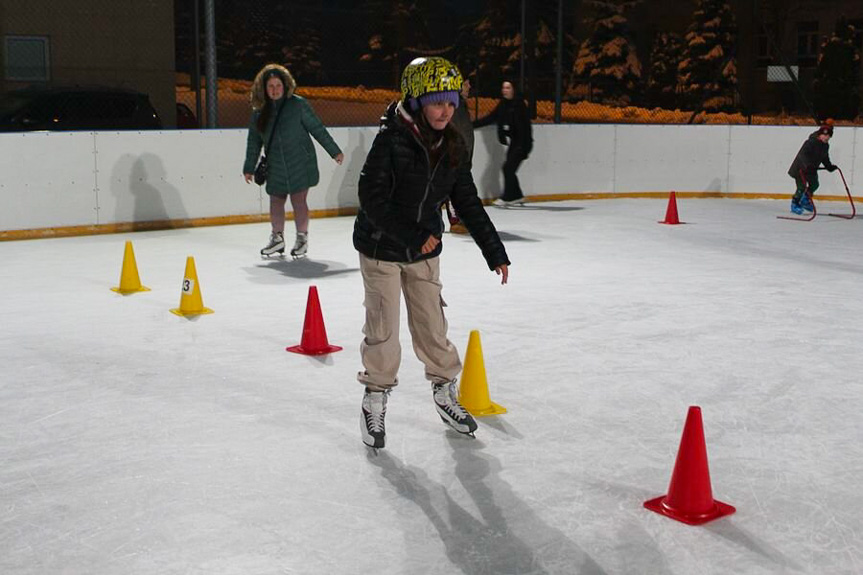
<point>615,61</point>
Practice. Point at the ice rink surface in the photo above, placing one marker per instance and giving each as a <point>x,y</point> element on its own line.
<point>134,441</point>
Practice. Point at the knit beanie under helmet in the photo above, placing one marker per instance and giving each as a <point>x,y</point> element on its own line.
<point>434,97</point>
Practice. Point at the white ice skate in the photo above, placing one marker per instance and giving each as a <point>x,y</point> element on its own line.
<point>501,203</point>
<point>276,245</point>
<point>450,410</point>
<point>301,246</point>
<point>372,416</point>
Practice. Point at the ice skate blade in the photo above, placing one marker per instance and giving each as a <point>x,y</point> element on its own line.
<point>453,428</point>
<point>274,255</point>
<point>373,450</point>
<point>298,256</point>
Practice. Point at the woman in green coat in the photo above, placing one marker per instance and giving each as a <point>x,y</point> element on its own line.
<point>292,167</point>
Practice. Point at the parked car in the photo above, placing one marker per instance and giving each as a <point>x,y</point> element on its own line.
<point>76,108</point>
<point>186,119</point>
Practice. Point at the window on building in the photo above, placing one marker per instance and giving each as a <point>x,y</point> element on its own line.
<point>807,43</point>
<point>26,59</point>
<point>763,50</point>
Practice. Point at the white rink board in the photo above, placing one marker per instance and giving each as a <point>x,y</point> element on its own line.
<point>46,180</point>
<point>152,176</point>
<point>760,158</point>
<point>569,159</point>
<point>85,178</point>
<point>666,158</point>
<point>338,185</point>
<point>761,155</point>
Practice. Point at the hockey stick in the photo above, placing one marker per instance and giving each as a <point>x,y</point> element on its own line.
<point>808,195</point>
<point>850,199</point>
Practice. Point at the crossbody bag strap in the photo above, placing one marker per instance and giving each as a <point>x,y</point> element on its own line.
<point>273,131</point>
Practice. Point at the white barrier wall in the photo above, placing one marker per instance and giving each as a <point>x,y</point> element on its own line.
<point>50,180</point>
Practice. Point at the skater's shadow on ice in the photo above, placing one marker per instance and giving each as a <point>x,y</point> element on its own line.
<point>303,269</point>
<point>510,237</point>
<point>512,539</point>
<point>545,208</point>
<point>626,496</point>
<point>733,533</point>
<point>499,424</point>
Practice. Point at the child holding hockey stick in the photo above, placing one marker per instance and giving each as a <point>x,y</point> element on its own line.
<point>814,152</point>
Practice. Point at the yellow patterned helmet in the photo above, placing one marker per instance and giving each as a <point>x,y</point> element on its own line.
<point>431,79</point>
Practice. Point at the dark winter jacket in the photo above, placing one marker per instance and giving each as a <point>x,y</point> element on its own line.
<point>513,124</point>
<point>812,154</point>
<point>401,194</point>
<point>292,164</point>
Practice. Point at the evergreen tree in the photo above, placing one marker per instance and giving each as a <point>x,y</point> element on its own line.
<point>490,48</point>
<point>708,71</point>
<point>399,34</point>
<point>607,68</point>
<point>664,59</point>
<point>836,91</point>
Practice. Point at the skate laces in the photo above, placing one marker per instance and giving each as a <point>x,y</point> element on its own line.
<point>374,409</point>
<point>446,396</point>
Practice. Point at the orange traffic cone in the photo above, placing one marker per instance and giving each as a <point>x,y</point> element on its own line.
<point>671,213</point>
<point>690,497</point>
<point>130,282</point>
<point>191,302</point>
<point>473,391</point>
<point>314,341</point>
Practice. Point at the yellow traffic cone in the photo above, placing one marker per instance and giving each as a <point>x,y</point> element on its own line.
<point>130,282</point>
<point>473,391</point>
<point>191,302</point>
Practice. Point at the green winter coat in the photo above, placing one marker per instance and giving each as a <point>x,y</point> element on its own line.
<point>291,159</point>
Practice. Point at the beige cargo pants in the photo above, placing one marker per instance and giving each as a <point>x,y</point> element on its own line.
<point>381,351</point>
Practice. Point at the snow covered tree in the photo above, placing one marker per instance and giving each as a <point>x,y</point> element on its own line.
<point>607,68</point>
<point>490,48</point>
<point>836,90</point>
<point>708,71</point>
<point>665,56</point>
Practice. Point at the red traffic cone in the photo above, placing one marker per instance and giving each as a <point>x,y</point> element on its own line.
<point>314,341</point>
<point>671,213</point>
<point>690,498</point>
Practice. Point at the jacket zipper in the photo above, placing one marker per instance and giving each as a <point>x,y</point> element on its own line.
<point>430,174</point>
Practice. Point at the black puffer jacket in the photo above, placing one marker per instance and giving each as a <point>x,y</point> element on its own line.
<point>513,124</point>
<point>812,154</point>
<point>401,196</point>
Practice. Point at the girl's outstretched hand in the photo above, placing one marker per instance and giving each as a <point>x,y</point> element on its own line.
<point>503,271</point>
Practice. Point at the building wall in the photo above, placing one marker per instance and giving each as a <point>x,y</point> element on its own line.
<point>782,18</point>
<point>118,43</point>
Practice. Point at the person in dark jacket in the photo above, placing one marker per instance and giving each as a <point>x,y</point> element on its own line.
<point>416,162</point>
<point>292,163</point>
<point>513,130</point>
<point>814,152</point>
